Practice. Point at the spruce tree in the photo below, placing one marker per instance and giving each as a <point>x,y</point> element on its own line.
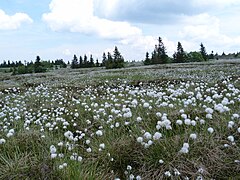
<point>97,63</point>
<point>91,64</point>
<point>161,52</point>
<point>74,64</point>
<point>180,55</point>
<point>117,59</point>
<point>147,59</point>
<point>80,62</point>
<point>104,59</point>
<point>38,67</point>
<point>203,52</point>
<point>85,61</point>
<point>109,61</point>
<point>211,56</point>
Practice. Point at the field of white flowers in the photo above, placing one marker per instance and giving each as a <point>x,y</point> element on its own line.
<point>177,121</point>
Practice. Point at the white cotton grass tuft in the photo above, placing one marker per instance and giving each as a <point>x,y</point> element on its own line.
<point>157,136</point>
<point>167,173</point>
<point>102,146</point>
<point>138,177</point>
<point>99,133</point>
<point>209,110</point>
<point>193,136</point>
<point>187,122</point>
<point>230,138</point>
<point>147,135</point>
<point>210,130</point>
<point>2,141</point>
<point>89,150</point>
<point>129,168</point>
<point>185,148</point>
<point>140,139</point>
<point>179,122</point>
<point>209,116</point>
<point>139,119</point>
<point>53,149</point>
<point>161,161</point>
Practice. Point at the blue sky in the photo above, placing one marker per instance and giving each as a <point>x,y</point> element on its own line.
<point>61,28</point>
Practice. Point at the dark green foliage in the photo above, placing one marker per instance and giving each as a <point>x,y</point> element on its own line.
<point>194,57</point>
<point>179,56</point>
<point>83,62</point>
<point>159,54</point>
<point>97,63</point>
<point>80,61</point>
<point>91,63</point>
<point>115,61</point>
<point>74,63</point>
<point>147,59</point>
<point>203,52</point>
<point>59,62</point>
<point>211,56</point>
<point>104,59</point>
<point>38,66</point>
<point>109,61</point>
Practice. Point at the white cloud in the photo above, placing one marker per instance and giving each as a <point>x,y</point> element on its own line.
<point>8,22</point>
<point>206,28</point>
<point>78,16</point>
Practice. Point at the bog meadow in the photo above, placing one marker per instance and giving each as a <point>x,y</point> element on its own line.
<point>161,121</point>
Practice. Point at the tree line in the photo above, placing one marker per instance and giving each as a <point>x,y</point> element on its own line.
<point>159,55</point>
<point>110,61</point>
<point>116,60</point>
<point>33,67</point>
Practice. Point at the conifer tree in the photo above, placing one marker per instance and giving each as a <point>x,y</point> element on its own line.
<point>38,67</point>
<point>203,52</point>
<point>85,61</point>
<point>161,52</point>
<point>104,59</point>
<point>180,55</point>
<point>91,64</point>
<point>117,59</point>
<point>109,61</point>
<point>80,62</point>
<point>97,63</point>
<point>74,64</point>
<point>147,59</point>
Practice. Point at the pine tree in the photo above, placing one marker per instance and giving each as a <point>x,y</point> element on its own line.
<point>203,52</point>
<point>180,55</point>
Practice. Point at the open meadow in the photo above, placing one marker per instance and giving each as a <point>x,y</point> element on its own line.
<point>172,121</point>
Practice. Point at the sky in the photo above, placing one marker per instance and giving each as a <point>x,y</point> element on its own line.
<point>58,29</point>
